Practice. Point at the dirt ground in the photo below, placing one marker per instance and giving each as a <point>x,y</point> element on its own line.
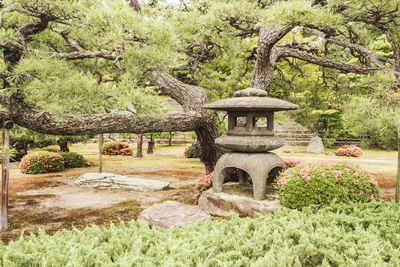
<point>53,202</point>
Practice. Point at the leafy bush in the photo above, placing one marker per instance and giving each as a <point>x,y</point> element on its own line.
<point>47,148</point>
<point>339,235</point>
<point>74,160</point>
<point>291,163</point>
<point>204,184</point>
<point>319,183</point>
<point>349,151</point>
<point>188,152</point>
<point>116,148</point>
<point>42,162</point>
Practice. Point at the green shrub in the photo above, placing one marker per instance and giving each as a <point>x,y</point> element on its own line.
<point>74,160</point>
<point>188,152</point>
<point>339,235</point>
<point>116,148</point>
<point>47,148</point>
<point>320,183</point>
<point>42,162</point>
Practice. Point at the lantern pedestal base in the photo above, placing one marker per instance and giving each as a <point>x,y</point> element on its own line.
<point>260,167</point>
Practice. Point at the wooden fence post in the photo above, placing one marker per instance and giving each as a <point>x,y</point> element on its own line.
<point>398,169</point>
<point>100,153</point>
<point>5,174</point>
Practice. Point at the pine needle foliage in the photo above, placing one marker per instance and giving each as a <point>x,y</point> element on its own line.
<point>339,235</point>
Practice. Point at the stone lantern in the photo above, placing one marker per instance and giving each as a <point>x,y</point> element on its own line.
<point>249,138</point>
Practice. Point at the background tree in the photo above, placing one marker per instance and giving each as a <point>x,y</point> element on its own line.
<point>95,61</point>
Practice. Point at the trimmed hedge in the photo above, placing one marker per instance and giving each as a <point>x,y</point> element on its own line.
<point>320,183</point>
<point>340,235</point>
<point>116,148</point>
<point>42,162</point>
<point>74,160</point>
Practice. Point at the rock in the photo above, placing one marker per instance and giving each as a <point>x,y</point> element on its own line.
<point>14,165</point>
<point>222,204</point>
<point>112,181</point>
<point>330,153</point>
<point>315,146</point>
<point>172,214</point>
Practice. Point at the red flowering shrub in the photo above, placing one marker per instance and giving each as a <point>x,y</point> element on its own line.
<point>204,184</point>
<point>116,148</point>
<point>42,162</point>
<point>319,183</point>
<point>291,163</point>
<point>349,151</point>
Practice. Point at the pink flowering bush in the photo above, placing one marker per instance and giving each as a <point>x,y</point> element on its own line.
<point>204,184</point>
<point>349,151</point>
<point>320,183</point>
<point>291,163</point>
<point>42,162</point>
<point>116,148</point>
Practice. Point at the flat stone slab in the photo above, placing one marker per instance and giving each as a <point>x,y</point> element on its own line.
<point>172,214</point>
<point>224,205</point>
<point>114,181</point>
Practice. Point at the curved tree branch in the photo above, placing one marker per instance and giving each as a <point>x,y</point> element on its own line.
<point>284,51</point>
<point>42,121</point>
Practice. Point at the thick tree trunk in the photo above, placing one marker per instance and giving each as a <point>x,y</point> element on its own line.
<point>63,145</point>
<point>139,146</point>
<point>263,74</point>
<point>209,152</point>
<point>150,145</point>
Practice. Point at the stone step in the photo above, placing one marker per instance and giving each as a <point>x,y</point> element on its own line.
<point>294,135</point>
<point>296,139</point>
<point>298,130</point>
<point>297,143</point>
<point>291,128</point>
<point>289,124</point>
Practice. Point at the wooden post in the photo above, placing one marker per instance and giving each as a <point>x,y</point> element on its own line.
<point>5,174</point>
<point>100,153</point>
<point>139,150</point>
<point>398,169</point>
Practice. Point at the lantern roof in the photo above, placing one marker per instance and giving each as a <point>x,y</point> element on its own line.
<point>251,99</point>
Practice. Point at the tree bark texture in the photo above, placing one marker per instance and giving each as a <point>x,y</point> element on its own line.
<point>139,146</point>
<point>150,145</point>
<point>63,145</point>
<point>5,174</point>
<point>263,73</point>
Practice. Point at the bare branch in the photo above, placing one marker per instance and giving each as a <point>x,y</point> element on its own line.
<point>284,51</point>
<point>372,55</point>
<point>75,45</point>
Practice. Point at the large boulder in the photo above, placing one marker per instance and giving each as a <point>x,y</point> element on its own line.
<point>315,146</point>
<point>114,181</point>
<point>224,205</point>
<point>172,214</point>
